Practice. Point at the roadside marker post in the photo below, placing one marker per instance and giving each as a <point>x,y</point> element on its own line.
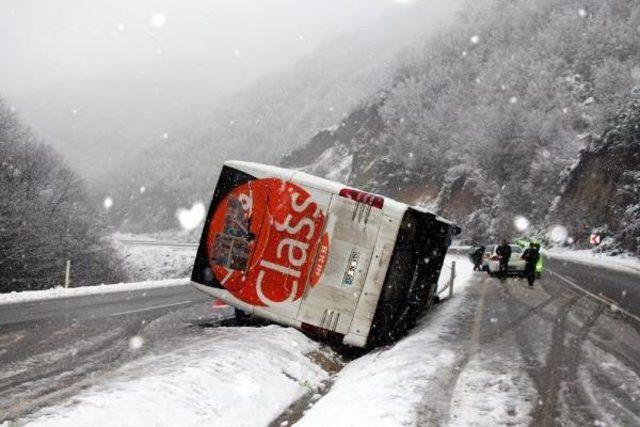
<point>450,283</point>
<point>67,273</point>
<point>453,276</point>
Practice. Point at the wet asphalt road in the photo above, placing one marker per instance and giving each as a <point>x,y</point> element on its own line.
<point>615,286</point>
<point>620,287</point>
<point>119,304</point>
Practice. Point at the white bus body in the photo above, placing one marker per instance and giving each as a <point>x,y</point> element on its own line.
<point>317,255</point>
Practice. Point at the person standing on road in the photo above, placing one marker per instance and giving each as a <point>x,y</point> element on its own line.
<point>504,253</point>
<point>477,258</point>
<point>531,257</point>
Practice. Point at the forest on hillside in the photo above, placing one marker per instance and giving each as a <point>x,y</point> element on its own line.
<point>508,97</point>
<point>484,121</point>
<point>46,217</point>
<point>480,122</point>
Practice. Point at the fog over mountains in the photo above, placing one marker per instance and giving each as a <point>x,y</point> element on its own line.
<point>478,112</point>
<point>103,81</point>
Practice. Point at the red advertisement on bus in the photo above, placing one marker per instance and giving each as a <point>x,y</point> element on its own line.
<point>263,239</point>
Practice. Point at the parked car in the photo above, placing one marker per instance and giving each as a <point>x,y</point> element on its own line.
<point>516,264</point>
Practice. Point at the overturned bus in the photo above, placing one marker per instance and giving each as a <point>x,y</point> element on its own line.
<point>341,264</point>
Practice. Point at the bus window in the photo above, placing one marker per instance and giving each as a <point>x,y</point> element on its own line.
<point>232,246</point>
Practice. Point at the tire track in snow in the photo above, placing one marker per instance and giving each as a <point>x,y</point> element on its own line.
<point>567,358</point>
<point>439,411</point>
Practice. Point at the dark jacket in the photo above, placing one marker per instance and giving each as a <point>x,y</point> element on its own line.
<point>504,252</point>
<point>531,257</point>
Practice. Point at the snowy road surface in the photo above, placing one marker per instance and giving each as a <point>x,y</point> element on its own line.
<point>498,353</point>
<point>51,347</point>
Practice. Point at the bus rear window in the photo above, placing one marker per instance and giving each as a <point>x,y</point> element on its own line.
<point>232,246</point>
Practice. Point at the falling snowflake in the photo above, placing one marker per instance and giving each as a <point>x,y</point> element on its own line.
<point>582,12</point>
<point>513,100</point>
<point>74,111</point>
<point>521,223</point>
<point>158,20</point>
<point>165,136</point>
<point>558,234</point>
<point>237,53</point>
<point>136,342</point>
<point>142,189</point>
<point>107,203</point>
<point>635,73</point>
<point>475,39</point>
<point>121,27</point>
<point>464,53</point>
<point>191,218</point>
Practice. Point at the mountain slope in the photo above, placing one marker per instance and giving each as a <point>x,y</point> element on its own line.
<point>480,122</point>
<point>602,190</point>
<point>262,122</point>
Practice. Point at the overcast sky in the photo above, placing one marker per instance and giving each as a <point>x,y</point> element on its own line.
<point>231,42</point>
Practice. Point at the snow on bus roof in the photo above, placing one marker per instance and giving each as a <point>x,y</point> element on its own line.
<point>260,170</point>
<point>390,206</point>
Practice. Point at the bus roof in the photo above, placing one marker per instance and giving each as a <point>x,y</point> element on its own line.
<point>390,207</point>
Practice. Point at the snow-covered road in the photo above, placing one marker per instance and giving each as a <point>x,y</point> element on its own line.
<point>498,353</point>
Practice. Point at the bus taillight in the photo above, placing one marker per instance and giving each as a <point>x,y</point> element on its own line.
<point>363,197</point>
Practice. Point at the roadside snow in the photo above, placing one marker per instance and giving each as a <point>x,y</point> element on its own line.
<point>491,393</point>
<point>387,387</point>
<point>60,292</point>
<point>155,256</point>
<point>622,263</point>
<point>230,376</point>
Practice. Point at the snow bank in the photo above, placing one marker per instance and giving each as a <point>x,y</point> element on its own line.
<point>157,256</point>
<point>151,262</point>
<point>60,292</point>
<point>622,263</point>
<point>388,387</point>
<point>228,377</point>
